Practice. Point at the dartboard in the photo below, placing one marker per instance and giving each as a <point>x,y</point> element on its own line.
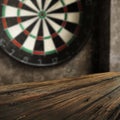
<point>44,32</point>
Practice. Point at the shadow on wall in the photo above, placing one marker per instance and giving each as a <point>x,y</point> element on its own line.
<point>101,40</point>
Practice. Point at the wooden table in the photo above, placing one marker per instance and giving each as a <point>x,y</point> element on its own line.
<point>92,97</point>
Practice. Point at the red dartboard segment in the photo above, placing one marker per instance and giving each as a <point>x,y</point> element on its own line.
<point>40,38</point>
<point>43,34</point>
<point>61,48</point>
<point>38,53</point>
<point>65,9</point>
<point>20,5</point>
<point>4,22</point>
<point>26,32</point>
<point>15,42</point>
<point>64,23</point>
<point>5,2</point>
<point>53,35</point>
<point>19,20</point>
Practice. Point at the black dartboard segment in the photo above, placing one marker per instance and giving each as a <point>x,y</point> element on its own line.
<point>44,32</point>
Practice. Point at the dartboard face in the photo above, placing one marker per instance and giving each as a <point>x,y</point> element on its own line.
<point>44,32</point>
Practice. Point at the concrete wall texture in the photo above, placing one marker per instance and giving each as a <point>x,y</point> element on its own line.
<point>115,36</point>
<point>12,72</point>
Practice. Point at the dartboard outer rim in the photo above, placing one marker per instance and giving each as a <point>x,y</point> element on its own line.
<point>59,62</point>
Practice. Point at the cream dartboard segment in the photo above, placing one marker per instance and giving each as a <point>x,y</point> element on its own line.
<point>44,32</point>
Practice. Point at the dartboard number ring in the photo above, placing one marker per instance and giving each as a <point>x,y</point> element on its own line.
<point>44,32</point>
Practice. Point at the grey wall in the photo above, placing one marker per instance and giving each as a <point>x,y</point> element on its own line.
<point>115,36</point>
<point>12,72</point>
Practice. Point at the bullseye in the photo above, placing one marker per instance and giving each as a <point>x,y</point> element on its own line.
<point>42,14</point>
